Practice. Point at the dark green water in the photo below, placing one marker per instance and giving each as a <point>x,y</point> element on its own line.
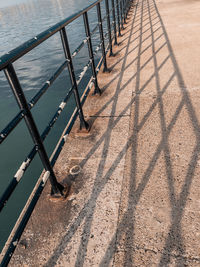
<point>21,20</point>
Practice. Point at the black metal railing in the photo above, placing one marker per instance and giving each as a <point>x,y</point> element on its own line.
<point>118,12</point>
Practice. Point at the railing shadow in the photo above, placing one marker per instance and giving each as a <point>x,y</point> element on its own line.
<point>144,15</point>
<point>101,179</point>
<point>174,241</point>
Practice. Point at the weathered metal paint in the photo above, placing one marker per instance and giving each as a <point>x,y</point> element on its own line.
<point>65,137</point>
<point>15,243</point>
<point>45,177</point>
<point>21,50</point>
<point>62,105</point>
<point>21,170</point>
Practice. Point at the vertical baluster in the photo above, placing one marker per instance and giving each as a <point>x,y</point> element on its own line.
<point>109,28</point>
<point>129,4</point>
<point>91,54</point>
<point>57,190</point>
<point>114,22</point>
<point>122,3</point>
<point>127,7</point>
<point>121,14</point>
<point>124,11</point>
<point>83,123</point>
<point>118,18</point>
<point>102,37</point>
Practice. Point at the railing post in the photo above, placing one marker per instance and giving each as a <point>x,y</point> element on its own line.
<point>118,18</point>
<point>129,4</point>
<point>102,38</point>
<point>127,7</point>
<point>57,190</point>
<point>124,11</point>
<point>109,28</point>
<point>90,50</point>
<point>63,34</point>
<point>114,21</point>
<point>121,14</point>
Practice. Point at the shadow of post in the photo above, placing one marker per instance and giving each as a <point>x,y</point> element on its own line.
<point>145,12</point>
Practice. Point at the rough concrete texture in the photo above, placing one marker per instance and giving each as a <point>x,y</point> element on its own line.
<point>136,200</point>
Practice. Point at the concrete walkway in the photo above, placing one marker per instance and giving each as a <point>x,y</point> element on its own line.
<point>136,201</point>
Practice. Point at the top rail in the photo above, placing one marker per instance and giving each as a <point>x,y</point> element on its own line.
<point>23,49</point>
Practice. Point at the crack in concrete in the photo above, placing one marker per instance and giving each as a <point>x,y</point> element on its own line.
<point>107,116</point>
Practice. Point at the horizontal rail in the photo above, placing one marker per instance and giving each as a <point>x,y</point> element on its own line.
<point>21,114</point>
<point>21,50</point>
<point>26,163</point>
<point>8,129</point>
<point>78,49</point>
<point>47,84</point>
<point>15,121</point>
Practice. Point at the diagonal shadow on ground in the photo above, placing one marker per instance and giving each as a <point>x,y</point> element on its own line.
<point>123,240</point>
<point>174,240</point>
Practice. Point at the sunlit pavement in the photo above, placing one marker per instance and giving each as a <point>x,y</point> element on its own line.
<point>135,201</point>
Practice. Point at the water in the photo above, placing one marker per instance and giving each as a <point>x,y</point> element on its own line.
<point>21,20</point>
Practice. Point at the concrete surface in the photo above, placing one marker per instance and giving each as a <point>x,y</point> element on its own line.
<point>136,200</point>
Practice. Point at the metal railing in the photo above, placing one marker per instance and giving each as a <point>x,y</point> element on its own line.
<point>119,10</point>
